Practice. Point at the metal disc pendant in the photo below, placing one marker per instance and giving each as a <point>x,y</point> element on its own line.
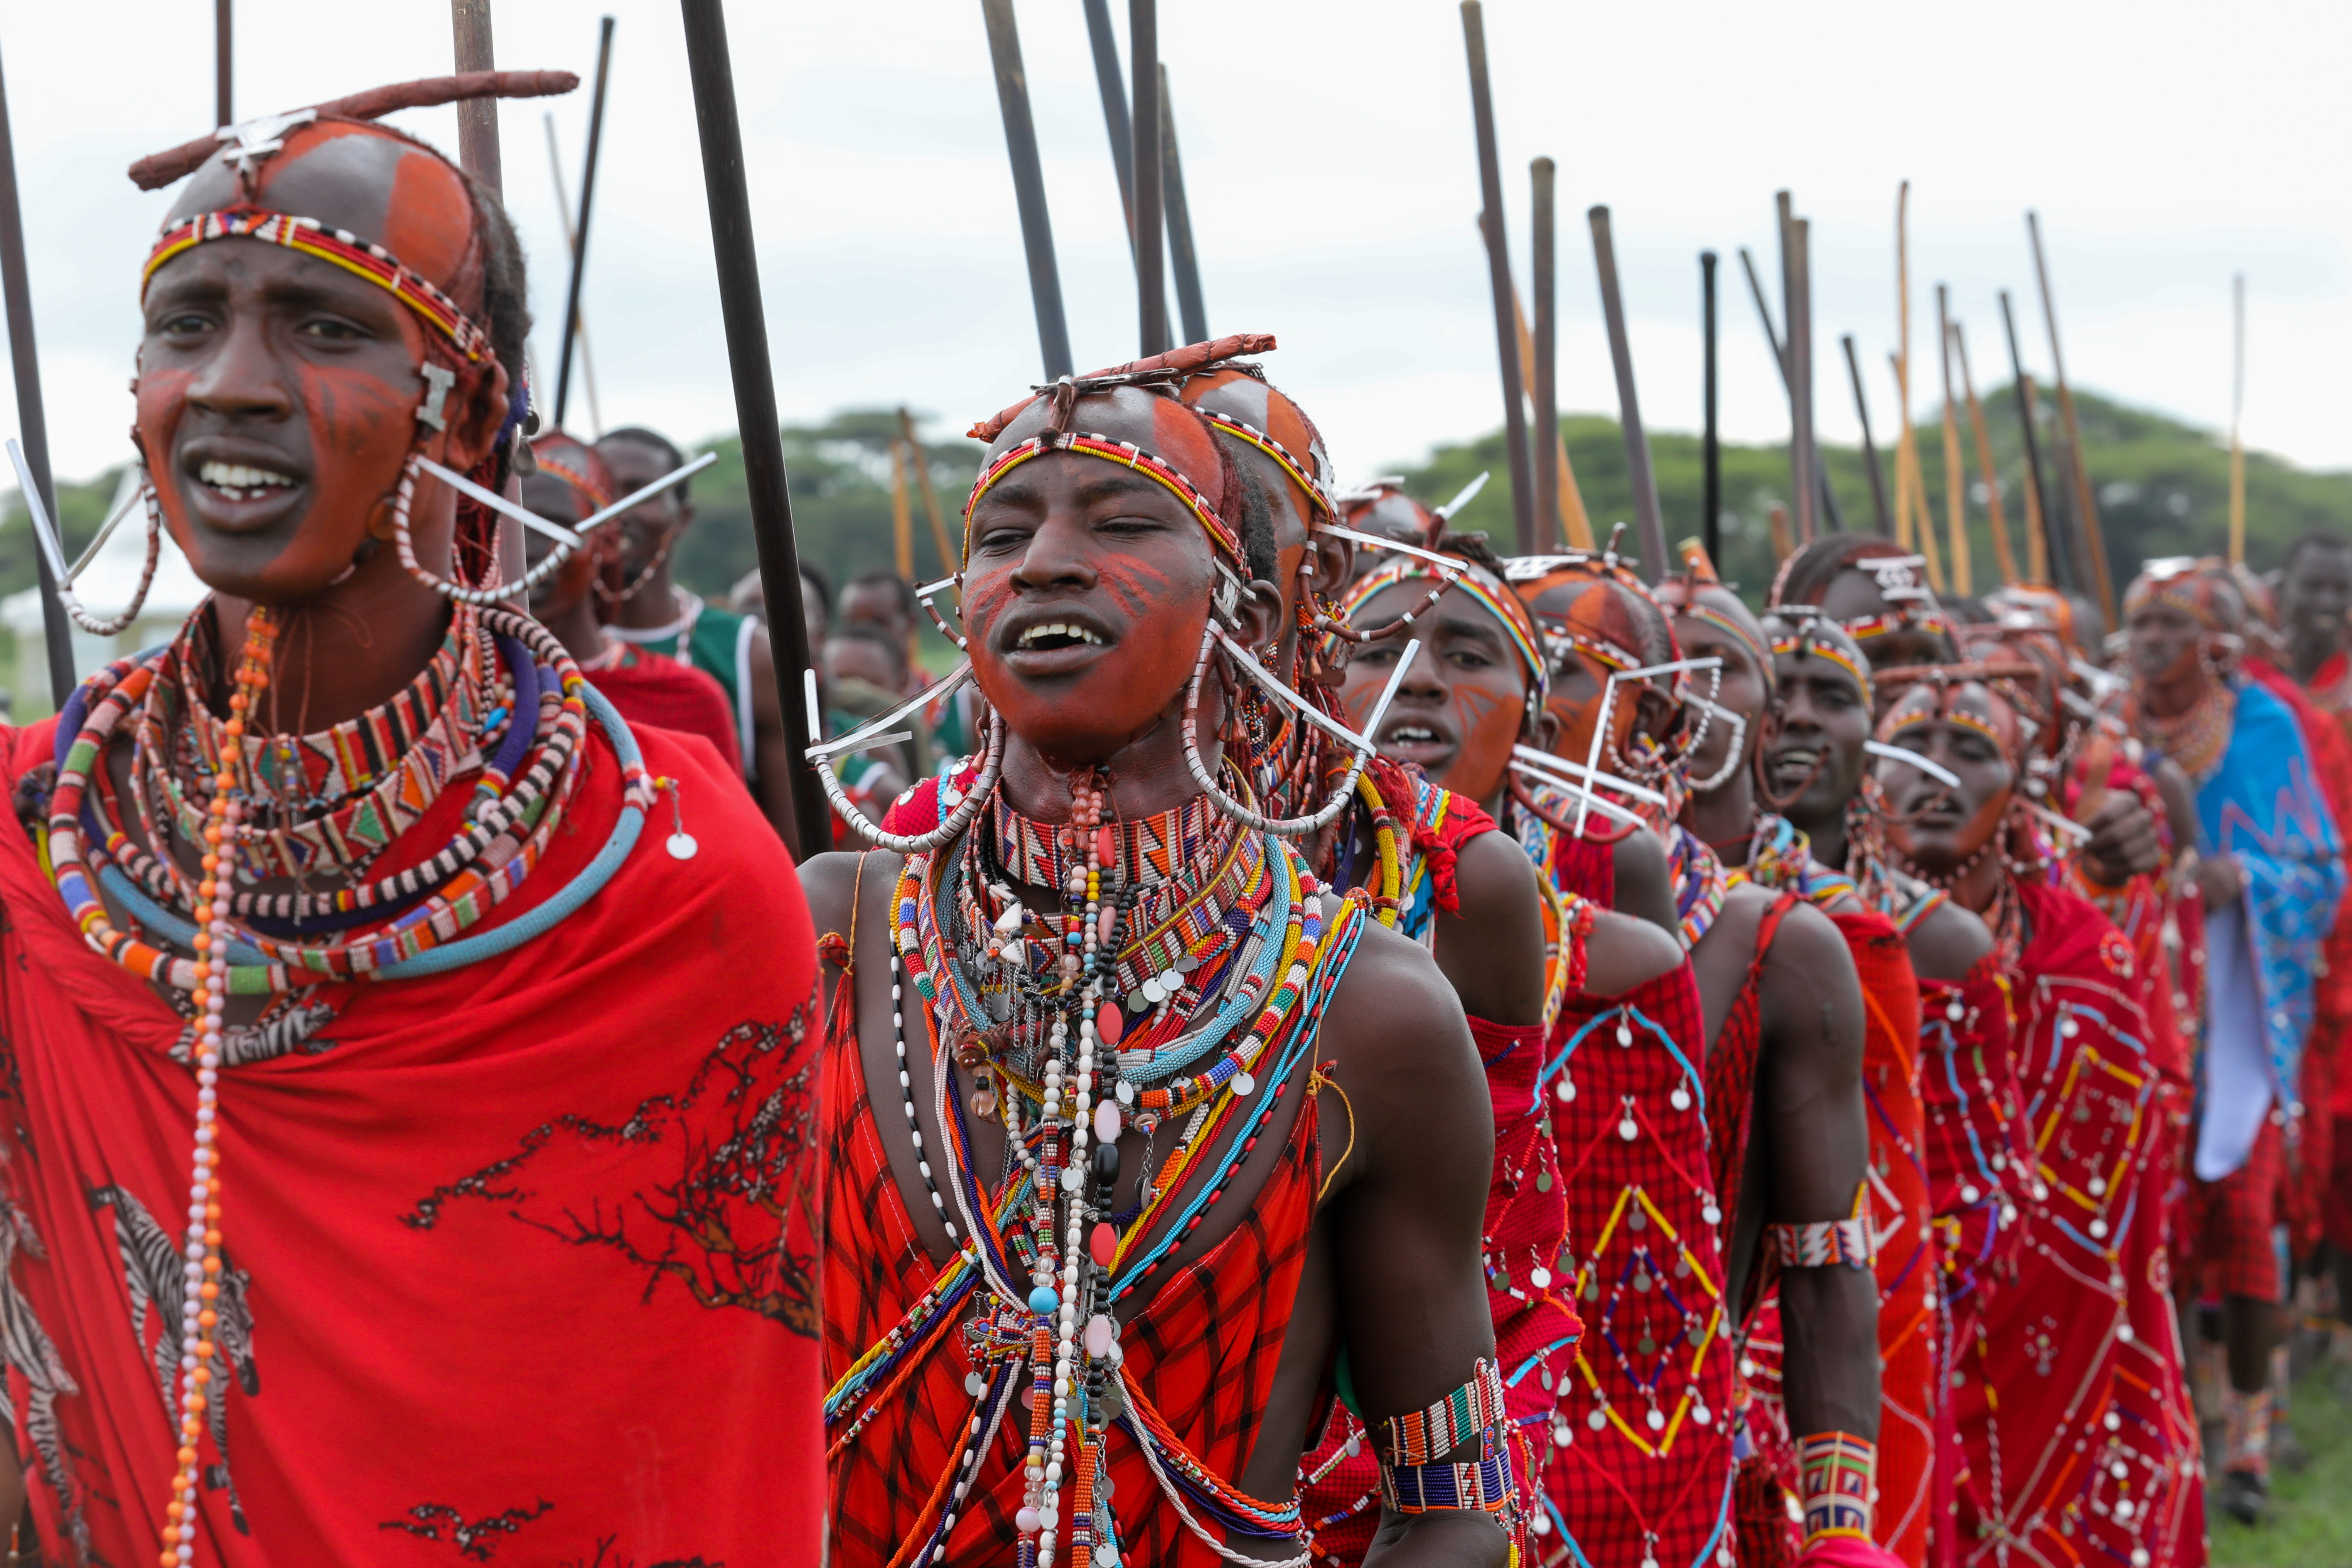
<point>682,847</point>
<point>1680,1099</point>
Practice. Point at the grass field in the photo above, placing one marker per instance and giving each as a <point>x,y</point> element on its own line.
<point>2312,1525</point>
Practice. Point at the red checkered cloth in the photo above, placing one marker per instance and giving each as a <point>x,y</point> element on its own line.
<point>2237,1221</point>
<point>1527,1290</point>
<point>2070,1402</point>
<point>1978,1172</point>
<point>1202,1348</point>
<point>1641,1465</point>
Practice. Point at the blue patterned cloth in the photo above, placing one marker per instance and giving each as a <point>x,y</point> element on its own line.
<point>2262,808</point>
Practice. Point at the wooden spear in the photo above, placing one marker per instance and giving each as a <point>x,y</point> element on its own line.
<point>2094,537</point>
<point>1114,102</point>
<point>930,493</point>
<point>580,229</point>
<point>1781,362</point>
<point>32,420</point>
<point>1907,477</point>
<point>563,209</point>
<point>2051,553</point>
<point>1028,190</point>
<point>1796,309</point>
<point>478,118</point>
<point>1183,259</point>
<point>1498,273</point>
<point>1869,445</point>
<point>1151,176</point>
<point>1956,500</point>
<point>2237,411</point>
<point>770,491</point>
<point>1568,504</point>
<point>1547,442</point>
<point>1647,519</point>
<point>223,98</point>
<point>1989,476</point>
<point>1710,445</point>
<point>1909,491</point>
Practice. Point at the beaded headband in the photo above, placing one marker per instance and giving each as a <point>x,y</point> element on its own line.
<point>1806,642</point>
<point>345,249</point>
<point>1481,586</point>
<point>2181,584</point>
<point>597,498</point>
<point>2001,681</point>
<point>1126,455</point>
<point>1318,492</point>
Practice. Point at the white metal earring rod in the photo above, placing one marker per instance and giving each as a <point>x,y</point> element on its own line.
<point>1307,711</point>
<point>1464,496</point>
<point>870,733</point>
<point>1909,758</point>
<point>105,531</point>
<point>499,504</point>
<point>45,532</point>
<point>1601,804</point>
<point>1577,775</point>
<point>674,477</point>
<point>1447,564</point>
<point>2065,824</point>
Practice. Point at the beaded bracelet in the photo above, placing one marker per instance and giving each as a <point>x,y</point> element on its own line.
<point>1836,1474</point>
<point>1470,1412</point>
<point>1828,1243</point>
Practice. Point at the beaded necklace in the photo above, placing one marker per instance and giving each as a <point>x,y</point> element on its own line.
<point>977,959</point>
<point>1781,856</point>
<point>1700,884</point>
<point>2198,739</point>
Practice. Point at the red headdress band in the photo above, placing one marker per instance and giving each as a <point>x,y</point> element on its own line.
<point>1128,455</point>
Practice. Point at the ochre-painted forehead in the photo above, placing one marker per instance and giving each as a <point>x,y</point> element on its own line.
<point>385,190</point>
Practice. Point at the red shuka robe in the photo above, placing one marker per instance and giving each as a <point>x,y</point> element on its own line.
<point>522,1258</point>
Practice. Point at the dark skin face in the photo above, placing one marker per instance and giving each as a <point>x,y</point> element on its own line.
<point>1824,720</point>
<point>1937,826</point>
<point>644,528</point>
<point>287,373</point>
<point>1395,1237</point>
<point>1853,594</point>
<point>877,604</point>
<point>863,659</point>
<point>1464,703</point>
<point>1723,815</point>
<point>2313,602</point>
<point>562,602</point>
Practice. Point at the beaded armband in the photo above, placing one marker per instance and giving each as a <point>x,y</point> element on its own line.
<point>1409,1446</point>
<point>1836,1473</point>
<point>1827,1243</point>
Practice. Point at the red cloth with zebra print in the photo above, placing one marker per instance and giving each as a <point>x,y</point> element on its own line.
<point>519,1260</point>
<point>1641,1466</point>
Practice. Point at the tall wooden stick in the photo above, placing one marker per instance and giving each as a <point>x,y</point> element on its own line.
<point>579,230</point>
<point>1781,362</point>
<point>478,118</point>
<point>902,514</point>
<point>2050,554</point>
<point>1710,444</point>
<point>1547,440</point>
<point>1907,482</point>
<point>1028,188</point>
<point>1151,176</point>
<point>922,465</point>
<point>1908,491</point>
<point>2093,537</point>
<point>223,100</point>
<point>2237,411</point>
<point>563,210</point>
<point>1796,311</point>
<point>1498,274</point>
<point>2004,555</point>
<point>1114,101</point>
<point>1575,527</point>
<point>1956,505</point>
<point>769,490</point>
<point>1183,259</point>
<point>1649,522</point>
<point>32,419</point>
<point>1869,445</point>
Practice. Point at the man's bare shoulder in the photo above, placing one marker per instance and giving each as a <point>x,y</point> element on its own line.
<point>831,882</point>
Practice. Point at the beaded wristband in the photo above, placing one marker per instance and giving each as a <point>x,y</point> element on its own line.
<point>1421,1438</point>
<point>1836,1473</point>
<point>1828,1243</point>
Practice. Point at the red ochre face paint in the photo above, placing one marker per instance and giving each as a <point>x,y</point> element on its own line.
<point>1463,705</point>
<point>1973,733</point>
<point>1607,640</point>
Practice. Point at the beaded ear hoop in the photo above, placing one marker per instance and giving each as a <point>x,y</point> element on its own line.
<point>1738,723</point>
<point>877,732</point>
<point>46,533</point>
<point>567,539</point>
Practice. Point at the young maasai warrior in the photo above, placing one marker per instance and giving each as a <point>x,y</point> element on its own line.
<point>1088,1039</point>
<point>1474,692</point>
<point>2271,876</point>
<point>1780,1136</point>
<point>570,483</point>
<point>1759,846</point>
<point>2067,1396</point>
<point>644,607</point>
<point>321,1120</point>
<point>1874,589</point>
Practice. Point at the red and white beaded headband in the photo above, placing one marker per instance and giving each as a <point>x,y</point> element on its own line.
<point>1317,491</point>
<point>1128,455</point>
<point>341,246</point>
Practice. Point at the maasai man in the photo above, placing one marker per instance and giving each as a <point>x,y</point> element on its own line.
<point>1759,845</point>
<point>1875,590</point>
<point>644,607</point>
<point>2067,1396</point>
<point>2270,871</point>
<point>570,483</point>
<point>1098,945</point>
<point>1474,692</point>
<point>1772,1187</point>
<point>321,1120</point>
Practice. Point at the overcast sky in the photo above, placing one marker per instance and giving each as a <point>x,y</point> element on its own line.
<point>1333,179</point>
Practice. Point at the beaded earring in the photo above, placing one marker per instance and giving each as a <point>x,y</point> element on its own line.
<point>46,533</point>
<point>877,732</point>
